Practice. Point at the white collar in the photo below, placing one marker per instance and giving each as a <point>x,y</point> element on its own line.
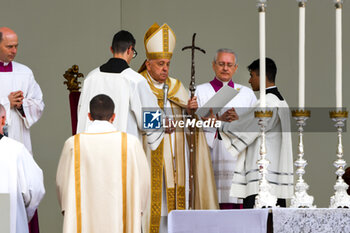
<point>5,63</point>
<point>270,87</point>
<point>156,83</point>
<point>98,126</point>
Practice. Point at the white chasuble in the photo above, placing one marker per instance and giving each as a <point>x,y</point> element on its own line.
<point>170,160</point>
<point>223,162</point>
<point>22,178</point>
<point>21,78</point>
<point>102,182</point>
<point>242,139</point>
<point>130,94</point>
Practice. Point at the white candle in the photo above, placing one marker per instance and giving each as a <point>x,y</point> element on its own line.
<point>301,57</point>
<point>338,75</point>
<point>262,59</point>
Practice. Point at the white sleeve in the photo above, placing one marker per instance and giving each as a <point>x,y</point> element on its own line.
<point>31,182</point>
<point>33,104</point>
<point>83,109</point>
<point>65,172</point>
<point>143,97</point>
<point>252,99</point>
<point>243,132</point>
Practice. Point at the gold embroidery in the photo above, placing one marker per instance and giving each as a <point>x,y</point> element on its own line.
<point>181,199</point>
<point>159,55</point>
<point>171,193</point>
<point>166,38</point>
<point>151,34</point>
<point>156,186</point>
<point>173,89</point>
<point>166,33</point>
<point>77,180</point>
<point>171,199</point>
<point>124,174</point>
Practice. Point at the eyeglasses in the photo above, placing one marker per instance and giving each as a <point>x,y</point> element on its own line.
<point>223,64</point>
<point>135,53</point>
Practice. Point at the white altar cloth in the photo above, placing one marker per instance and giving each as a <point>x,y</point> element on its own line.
<point>218,221</point>
<point>320,220</point>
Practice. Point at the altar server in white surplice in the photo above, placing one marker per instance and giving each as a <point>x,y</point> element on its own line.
<point>128,89</point>
<point>103,178</point>
<point>21,177</point>
<point>224,66</point>
<point>242,138</point>
<point>20,94</point>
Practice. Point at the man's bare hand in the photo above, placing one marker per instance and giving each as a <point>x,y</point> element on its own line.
<point>192,104</point>
<point>229,115</point>
<point>16,99</point>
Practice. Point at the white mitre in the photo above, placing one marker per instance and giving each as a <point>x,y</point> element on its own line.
<point>159,42</point>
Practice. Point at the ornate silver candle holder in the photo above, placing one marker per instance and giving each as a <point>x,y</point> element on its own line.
<point>340,199</point>
<point>301,199</point>
<point>264,197</point>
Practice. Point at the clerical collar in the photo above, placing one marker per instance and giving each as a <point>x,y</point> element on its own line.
<point>274,90</point>
<point>114,65</point>
<point>100,126</point>
<point>5,66</point>
<point>270,87</point>
<point>217,84</point>
<point>156,84</point>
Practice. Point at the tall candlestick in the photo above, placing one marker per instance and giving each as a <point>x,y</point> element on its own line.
<point>338,32</point>
<point>264,198</point>
<point>340,199</point>
<point>262,74</point>
<point>302,54</point>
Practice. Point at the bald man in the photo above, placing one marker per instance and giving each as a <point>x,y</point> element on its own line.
<point>20,94</point>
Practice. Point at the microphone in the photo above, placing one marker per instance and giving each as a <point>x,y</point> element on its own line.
<point>5,130</point>
<point>165,98</point>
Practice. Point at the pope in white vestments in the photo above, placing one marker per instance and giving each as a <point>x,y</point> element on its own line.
<point>224,66</point>
<point>22,178</point>
<point>169,162</point>
<point>242,139</point>
<point>18,80</point>
<point>128,89</point>
<point>102,179</point>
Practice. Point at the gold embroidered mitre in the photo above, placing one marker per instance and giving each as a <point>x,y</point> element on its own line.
<point>159,42</point>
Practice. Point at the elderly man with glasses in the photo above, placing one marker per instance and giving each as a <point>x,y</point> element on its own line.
<point>224,66</point>
<point>128,89</point>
